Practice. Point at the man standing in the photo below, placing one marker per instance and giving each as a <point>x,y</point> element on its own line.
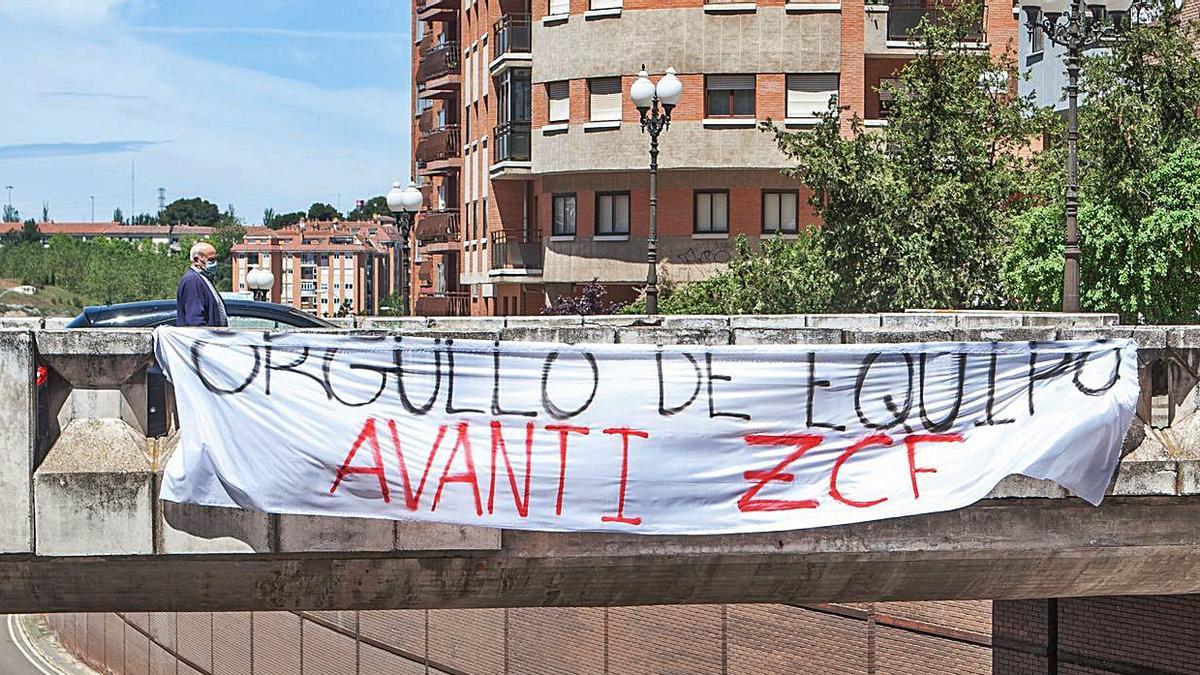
<point>197,302</point>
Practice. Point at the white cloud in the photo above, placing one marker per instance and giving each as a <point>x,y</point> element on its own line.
<point>63,12</point>
<point>232,135</point>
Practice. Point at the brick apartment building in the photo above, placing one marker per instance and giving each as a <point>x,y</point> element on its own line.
<point>531,157</point>
<point>327,269</point>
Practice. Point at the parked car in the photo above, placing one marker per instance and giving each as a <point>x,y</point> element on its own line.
<point>243,314</point>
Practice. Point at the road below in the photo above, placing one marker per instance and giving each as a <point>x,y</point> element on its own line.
<point>19,656</point>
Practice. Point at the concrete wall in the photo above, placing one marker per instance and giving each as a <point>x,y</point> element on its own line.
<point>767,40</point>
<point>687,145</point>
<point>1129,634</point>
<point>701,639</point>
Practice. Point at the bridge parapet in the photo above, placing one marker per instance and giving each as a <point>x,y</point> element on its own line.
<point>83,480</point>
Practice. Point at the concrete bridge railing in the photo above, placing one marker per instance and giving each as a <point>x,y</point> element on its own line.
<point>83,529</point>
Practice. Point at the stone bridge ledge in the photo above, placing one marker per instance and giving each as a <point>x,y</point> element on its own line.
<point>85,530</point>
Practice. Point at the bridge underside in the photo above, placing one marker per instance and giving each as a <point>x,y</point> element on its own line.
<point>1000,548</point>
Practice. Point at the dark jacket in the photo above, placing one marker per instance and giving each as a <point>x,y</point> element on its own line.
<point>195,304</point>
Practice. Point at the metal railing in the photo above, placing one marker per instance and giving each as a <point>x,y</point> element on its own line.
<point>437,226</point>
<point>511,35</point>
<point>450,303</point>
<point>438,145</point>
<point>512,141</point>
<point>516,250</point>
<point>438,61</point>
<point>904,19</point>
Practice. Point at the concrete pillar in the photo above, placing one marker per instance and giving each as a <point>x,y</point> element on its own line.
<point>17,400</point>
<point>95,492</point>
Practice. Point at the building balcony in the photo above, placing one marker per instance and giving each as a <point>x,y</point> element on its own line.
<point>437,10</point>
<point>511,150</point>
<point>431,120</point>
<point>450,303</point>
<point>439,151</point>
<point>891,28</point>
<point>438,71</point>
<point>511,43</point>
<point>437,226</point>
<point>516,254</point>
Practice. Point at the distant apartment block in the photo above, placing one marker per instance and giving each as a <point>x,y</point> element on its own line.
<point>157,234</point>
<point>327,269</point>
<point>531,157</point>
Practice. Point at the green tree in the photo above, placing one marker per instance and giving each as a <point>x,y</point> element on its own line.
<point>319,212</point>
<point>915,215</point>
<point>375,206</point>
<point>783,277</point>
<point>118,216</point>
<point>228,231</point>
<point>144,219</point>
<point>391,305</point>
<point>268,217</point>
<point>11,215</point>
<point>286,220</point>
<point>194,211</point>
<point>1139,147</point>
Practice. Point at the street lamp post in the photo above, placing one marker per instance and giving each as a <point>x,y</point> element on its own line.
<point>646,97</point>
<point>404,204</point>
<point>1072,25</point>
<point>260,281</point>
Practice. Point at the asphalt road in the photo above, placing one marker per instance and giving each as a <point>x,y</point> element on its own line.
<point>13,660</point>
<point>19,657</point>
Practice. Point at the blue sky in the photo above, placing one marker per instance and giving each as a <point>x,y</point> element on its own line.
<point>255,103</point>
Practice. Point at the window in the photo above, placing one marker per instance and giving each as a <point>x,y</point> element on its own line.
<point>605,4</point>
<point>729,96</point>
<point>810,94</point>
<point>560,7</point>
<point>612,213</point>
<point>711,212</point>
<point>779,211</point>
<point>563,216</point>
<point>252,323</point>
<point>604,98</point>
<point>559,94</point>
<point>513,90</point>
<point>1037,39</point>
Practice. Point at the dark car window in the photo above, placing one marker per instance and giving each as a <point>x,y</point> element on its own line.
<point>255,323</point>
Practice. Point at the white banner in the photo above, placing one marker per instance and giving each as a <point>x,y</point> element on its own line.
<point>634,438</point>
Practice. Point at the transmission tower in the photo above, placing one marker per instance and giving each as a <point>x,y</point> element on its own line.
<point>162,200</point>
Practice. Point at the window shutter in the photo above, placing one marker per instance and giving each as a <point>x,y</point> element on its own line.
<point>729,82</point>
<point>606,4</point>
<point>560,7</point>
<point>560,101</point>
<point>809,94</point>
<point>605,98</point>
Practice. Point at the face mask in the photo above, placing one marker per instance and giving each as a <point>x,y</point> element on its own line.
<point>210,265</point>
